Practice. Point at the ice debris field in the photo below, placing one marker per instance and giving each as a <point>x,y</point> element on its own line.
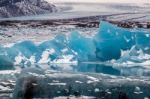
<point>112,44</point>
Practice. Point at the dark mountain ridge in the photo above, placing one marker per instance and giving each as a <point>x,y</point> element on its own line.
<point>14,8</point>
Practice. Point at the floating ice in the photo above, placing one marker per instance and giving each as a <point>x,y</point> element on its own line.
<point>123,46</point>
<point>111,40</point>
<point>73,84</point>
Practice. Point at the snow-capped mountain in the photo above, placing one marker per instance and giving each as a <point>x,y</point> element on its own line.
<point>13,8</point>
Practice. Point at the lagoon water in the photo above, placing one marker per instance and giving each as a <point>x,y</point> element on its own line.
<point>113,63</point>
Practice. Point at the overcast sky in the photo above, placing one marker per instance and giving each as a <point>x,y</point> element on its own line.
<point>122,1</point>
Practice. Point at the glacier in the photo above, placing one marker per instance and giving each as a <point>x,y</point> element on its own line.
<point>112,44</point>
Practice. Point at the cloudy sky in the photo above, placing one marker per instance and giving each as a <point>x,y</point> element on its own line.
<point>98,1</point>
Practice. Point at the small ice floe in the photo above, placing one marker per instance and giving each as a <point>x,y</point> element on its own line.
<point>92,79</point>
<point>96,90</point>
<point>5,88</point>
<point>37,75</point>
<point>55,81</point>
<point>79,82</point>
<point>11,81</point>
<point>57,84</point>
<point>7,72</point>
<point>146,98</point>
<point>6,83</point>
<point>34,84</point>
<point>74,97</point>
<point>137,90</point>
<point>108,91</point>
<point>129,79</point>
<point>147,35</point>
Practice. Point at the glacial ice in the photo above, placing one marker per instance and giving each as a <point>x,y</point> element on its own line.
<point>111,44</point>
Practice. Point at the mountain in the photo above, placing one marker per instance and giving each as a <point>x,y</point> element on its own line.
<point>14,8</point>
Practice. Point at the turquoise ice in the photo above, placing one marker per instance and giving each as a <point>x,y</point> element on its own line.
<point>108,44</point>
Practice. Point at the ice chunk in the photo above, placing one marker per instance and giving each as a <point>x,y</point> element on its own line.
<point>84,47</point>
<point>111,39</point>
<point>110,43</point>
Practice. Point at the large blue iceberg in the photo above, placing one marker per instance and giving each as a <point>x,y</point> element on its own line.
<point>110,43</point>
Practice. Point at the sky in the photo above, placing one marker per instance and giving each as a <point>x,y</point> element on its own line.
<point>99,1</point>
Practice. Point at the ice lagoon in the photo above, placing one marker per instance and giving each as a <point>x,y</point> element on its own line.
<point>112,63</point>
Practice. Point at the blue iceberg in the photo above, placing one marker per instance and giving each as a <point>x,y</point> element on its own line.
<point>108,44</point>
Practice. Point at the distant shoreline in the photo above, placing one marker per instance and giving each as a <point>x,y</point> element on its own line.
<point>91,21</point>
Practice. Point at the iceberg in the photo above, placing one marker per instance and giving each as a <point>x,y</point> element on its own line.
<point>111,40</point>
<point>111,44</point>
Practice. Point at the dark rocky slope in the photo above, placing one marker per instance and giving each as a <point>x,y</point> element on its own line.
<point>13,8</point>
